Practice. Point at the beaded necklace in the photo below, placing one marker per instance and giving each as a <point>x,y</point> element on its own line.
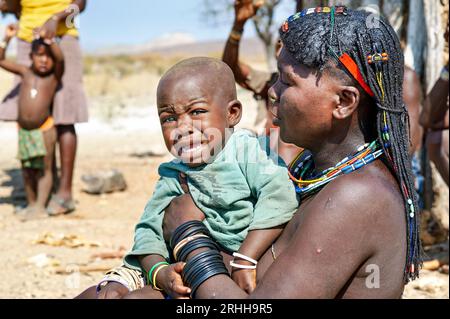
<point>301,169</point>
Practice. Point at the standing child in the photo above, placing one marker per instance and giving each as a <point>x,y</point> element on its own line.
<point>37,134</point>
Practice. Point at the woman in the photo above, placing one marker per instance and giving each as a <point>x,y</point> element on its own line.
<point>49,19</point>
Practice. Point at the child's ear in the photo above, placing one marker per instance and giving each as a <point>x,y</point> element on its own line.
<point>348,102</point>
<point>234,112</point>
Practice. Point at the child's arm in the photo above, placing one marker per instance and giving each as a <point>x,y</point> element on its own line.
<point>254,246</point>
<point>59,60</point>
<point>258,241</point>
<point>11,31</point>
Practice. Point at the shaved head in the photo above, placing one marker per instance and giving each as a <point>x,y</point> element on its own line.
<point>216,75</point>
<point>197,101</point>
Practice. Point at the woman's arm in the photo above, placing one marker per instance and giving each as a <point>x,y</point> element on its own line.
<point>10,6</point>
<point>50,27</point>
<point>10,66</point>
<point>436,104</point>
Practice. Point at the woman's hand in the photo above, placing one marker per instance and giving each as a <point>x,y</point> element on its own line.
<point>48,30</point>
<point>11,31</point>
<point>246,9</point>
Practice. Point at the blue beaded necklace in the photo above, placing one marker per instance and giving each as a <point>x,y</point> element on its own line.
<point>301,170</point>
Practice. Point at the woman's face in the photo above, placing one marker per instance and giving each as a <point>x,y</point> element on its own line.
<point>302,103</point>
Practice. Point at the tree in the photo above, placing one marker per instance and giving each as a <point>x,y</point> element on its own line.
<point>263,22</point>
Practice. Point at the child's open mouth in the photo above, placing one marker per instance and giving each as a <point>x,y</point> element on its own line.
<point>191,151</point>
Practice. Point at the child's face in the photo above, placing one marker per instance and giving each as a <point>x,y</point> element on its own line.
<point>194,119</point>
<point>42,61</point>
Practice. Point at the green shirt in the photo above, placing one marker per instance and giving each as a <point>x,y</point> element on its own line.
<point>244,188</point>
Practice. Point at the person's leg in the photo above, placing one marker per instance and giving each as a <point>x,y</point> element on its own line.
<point>62,202</point>
<point>67,139</point>
<point>438,152</point>
<point>44,185</point>
<point>90,293</point>
<point>30,185</point>
<point>144,293</point>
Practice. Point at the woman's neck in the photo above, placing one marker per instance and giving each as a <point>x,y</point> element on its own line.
<point>329,153</point>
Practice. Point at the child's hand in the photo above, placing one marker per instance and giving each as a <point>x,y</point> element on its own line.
<point>169,280</point>
<point>245,278</point>
<point>11,31</point>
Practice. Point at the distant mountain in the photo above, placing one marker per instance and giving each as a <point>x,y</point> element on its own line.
<point>182,44</point>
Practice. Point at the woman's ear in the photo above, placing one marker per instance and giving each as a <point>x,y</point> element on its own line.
<point>349,98</point>
<point>234,112</point>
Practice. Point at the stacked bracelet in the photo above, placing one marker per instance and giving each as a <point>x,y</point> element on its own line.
<point>201,267</point>
<point>235,36</point>
<point>156,273</point>
<point>240,266</point>
<point>152,273</point>
<point>187,229</point>
<point>184,242</point>
<point>201,242</point>
<point>190,237</point>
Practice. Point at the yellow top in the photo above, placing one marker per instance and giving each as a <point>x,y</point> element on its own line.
<point>36,12</point>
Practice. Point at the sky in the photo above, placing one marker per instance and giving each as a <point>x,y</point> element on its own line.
<point>108,23</point>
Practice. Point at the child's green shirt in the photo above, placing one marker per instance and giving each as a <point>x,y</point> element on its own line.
<point>241,190</point>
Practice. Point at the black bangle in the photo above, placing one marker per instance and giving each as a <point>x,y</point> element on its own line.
<point>206,276</point>
<point>182,231</point>
<point>200,263</point>
<point>193,261</point>
<point>201,267</point>
<point>196,244</point>
<point>192,277</point>
<point>198,260</point>
<point>194,231</point>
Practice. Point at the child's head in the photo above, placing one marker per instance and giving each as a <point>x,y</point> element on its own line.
<point>42,58</point>
<point>197,103</point>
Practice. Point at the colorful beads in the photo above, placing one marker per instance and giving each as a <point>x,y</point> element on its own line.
<point>338,10</point>
<point>377,57</point>
<point>365,154</point>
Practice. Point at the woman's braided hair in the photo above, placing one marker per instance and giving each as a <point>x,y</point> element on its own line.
<point>318,38</point>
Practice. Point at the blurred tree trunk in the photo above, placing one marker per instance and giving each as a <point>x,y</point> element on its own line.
<point>264,26</point>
